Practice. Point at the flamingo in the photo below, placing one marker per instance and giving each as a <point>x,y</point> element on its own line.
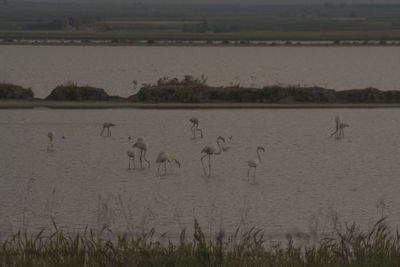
<point>254,163</point>
<point>164,157</point>
<point>339,128</point>
<point>337,121</point>
<point>142,146</point>
<point>195,126</point>
<point>51,136</point>
<point>211,150</point>
<point>131,155</point>
<point>107,125</point>
<point>341,131</point>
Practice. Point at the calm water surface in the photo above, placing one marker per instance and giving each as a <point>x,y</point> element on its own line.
<point>305,176</point>
<point>114,68</point>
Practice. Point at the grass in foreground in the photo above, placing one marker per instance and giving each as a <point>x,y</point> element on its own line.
<point>351,247</point>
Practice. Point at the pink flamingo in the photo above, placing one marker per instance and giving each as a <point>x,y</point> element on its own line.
<point>211,150</point>
<point>131,155</point>
<point>142,146</point>
<point>195,126</point>
<point>107,125</point>
<point>51,136</point>
<point>254,163</point>
<point>164,157</point>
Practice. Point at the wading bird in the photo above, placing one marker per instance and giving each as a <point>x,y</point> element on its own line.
<point>195,127</point>
<point>339,133</point>
<point>131,155</point>
<point>337,122</point>
<point>254,163</point>
<point>51,136</point>
<point>164,157</point>
<point>142,146</point>
<point>107,125</point>
<point>211,150</point>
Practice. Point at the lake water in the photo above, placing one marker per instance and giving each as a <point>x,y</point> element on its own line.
<point>304,179</point>
<point>114,68</point>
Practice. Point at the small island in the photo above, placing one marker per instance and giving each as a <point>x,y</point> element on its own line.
<point>190,92</point>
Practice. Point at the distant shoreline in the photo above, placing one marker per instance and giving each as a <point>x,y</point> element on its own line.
<point>204,43</point>
<point>23,104</point>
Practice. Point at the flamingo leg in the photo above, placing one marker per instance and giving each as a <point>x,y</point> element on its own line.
<point>193,131</point>
<point>201,132</point>
<point>133,161</point>
<point>254,174</point>
<point>339,134</point>
<point>165,168</point>
<point>141,153</point>
<point>101,133</point>
<point>50,147</point>
<point>202,163</point>
<point>332,134</point>
<point>248,174</point>
<point>209,165</point>
<point>158,169</point>
<point>109,131</point>
<point>129,167</point>
<point>144,156</point>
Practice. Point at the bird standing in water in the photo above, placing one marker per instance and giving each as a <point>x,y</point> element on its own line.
<point>254,163</point>
<point>107,125</point>
<point>195,127</point>
<point>211,150</point>
<point>142,146</point>
<point>164,157</point>
<point>339,132</point>
<point>131,155</point>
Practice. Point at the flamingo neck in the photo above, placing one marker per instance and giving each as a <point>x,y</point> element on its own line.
<point>258,155</point>
<point>219,148</point>
<point>177,162</point>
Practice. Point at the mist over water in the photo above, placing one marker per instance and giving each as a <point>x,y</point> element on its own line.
<point>304,178</point>
<point>115,68</point>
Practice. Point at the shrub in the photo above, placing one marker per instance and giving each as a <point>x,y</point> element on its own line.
<point>11,91</point>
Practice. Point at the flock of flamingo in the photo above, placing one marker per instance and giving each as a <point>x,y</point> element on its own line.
<point>164,157</point>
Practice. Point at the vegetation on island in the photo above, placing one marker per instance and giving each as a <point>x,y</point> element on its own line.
<point>349,246</point>
<point>11,91</point>
<point>196,90</point>
<point>73,92</point>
